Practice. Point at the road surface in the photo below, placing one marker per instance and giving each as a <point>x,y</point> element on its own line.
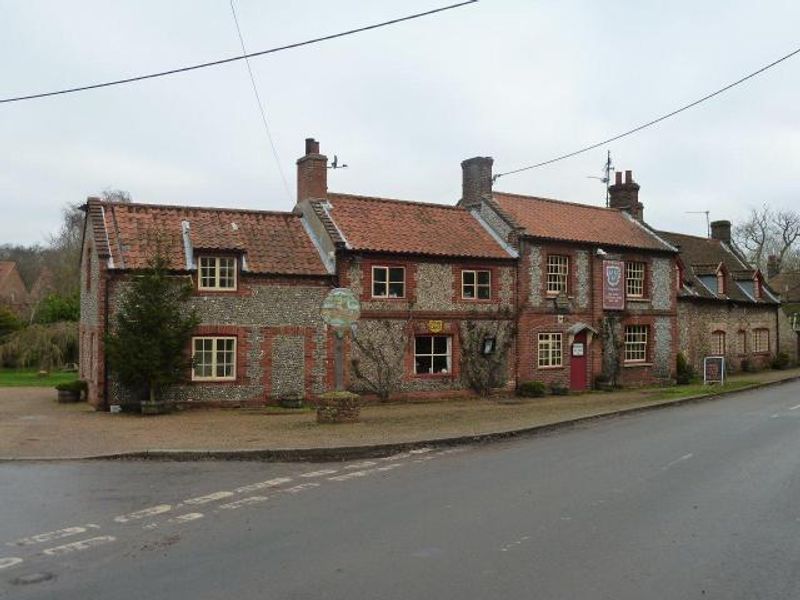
<point>698,501</point>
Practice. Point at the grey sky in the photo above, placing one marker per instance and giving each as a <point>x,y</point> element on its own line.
<point>521,81</point>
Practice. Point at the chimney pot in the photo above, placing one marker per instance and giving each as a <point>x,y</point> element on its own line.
<point>312,146</point>
<point>618,178</point>
<point>628,176</point>
<point>625,196</point>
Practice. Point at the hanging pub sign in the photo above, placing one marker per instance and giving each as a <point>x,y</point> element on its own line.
<point>613,285</point>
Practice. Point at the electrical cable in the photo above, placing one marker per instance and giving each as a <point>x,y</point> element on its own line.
<point>260,103</point>
<point>653,122</point>
<point>223,61</point>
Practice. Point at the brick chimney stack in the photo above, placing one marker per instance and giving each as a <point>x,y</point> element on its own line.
<point>721,230</point>
<point>625,195</point>
<point>772,266</point>
<point>476,180</point>
<point>312,173</point>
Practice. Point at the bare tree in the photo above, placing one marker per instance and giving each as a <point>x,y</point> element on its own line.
<point>381,354</point>
<point>115,195</point>
<point>770,233</point>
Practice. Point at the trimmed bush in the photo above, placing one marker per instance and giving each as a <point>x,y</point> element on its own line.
<point>531,389</point>
<point>780,361</point>
<point>559,389</point>
<point>78,386</point>
<point>338,407</point>
<point>683,370</point>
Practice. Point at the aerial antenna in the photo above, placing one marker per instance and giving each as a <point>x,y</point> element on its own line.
<point>335,163</point>
<point>606,178</point>
<point>708,221</point>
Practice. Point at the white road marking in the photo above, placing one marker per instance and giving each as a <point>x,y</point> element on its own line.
<point>795,407</point>
<point>683,458</point>
<point>421,450</point>
<point>348,476</point>
<point>361,465</point>
<point>249,501</point>
<point>300,488</point>
<point>10,561</point>
<point>144,513</point>
<point>52,535</point>
<point>319,473</point>
<point>269,483</point>
<point>208,498</point>
<point>775,416</point>
<point>78,546</point>
<point>186,518</point>
<point>519,542</point>
<point>397,456</point>
<point>389,467</point>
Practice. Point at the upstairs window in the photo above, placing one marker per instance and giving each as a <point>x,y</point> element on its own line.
<point>635,343</point>
<point>217,273</point>
<point>432,354</point>
<point>634,279</point>
<point>476,285</point>
<point>718,343</point>
<point>557,273</point>
<point>214,358</point>
<point>388,282</point>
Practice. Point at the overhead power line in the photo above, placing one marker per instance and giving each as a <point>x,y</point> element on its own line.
<point>654,121</point>
<point>260,103</point>
<point>223,61</point>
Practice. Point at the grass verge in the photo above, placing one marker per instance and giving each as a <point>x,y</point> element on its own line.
<point>31,378</point>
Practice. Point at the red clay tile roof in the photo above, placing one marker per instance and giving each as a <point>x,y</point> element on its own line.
<point>555,219</point>
<point>6,266</point>
<point>397,226</point>
<point>272,242</point>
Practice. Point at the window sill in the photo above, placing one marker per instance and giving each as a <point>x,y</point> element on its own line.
<point>636,299</point>
<point>630,365</point>
<point>553,368</point>
<point>433,375</point>
<point>231,380</point>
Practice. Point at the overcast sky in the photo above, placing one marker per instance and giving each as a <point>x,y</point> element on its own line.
<point>518,80</point>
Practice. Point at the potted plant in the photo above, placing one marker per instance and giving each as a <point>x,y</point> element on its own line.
<point>70,391</point>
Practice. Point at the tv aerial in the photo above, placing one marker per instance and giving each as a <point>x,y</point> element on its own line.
<point>335,163</point>
<point>708,220</point>
<point>606,178</point>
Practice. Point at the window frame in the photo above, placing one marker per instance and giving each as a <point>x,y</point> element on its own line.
<point>546,341</point>
<point>217,273</point>
<point>448,354</point>
<point>757,349</point>
<point>642,282</point>
<point>741,342</point>
<point>719,343</point>
<point>388,281</point>
<point>560,260</point>
<point>629,333</point>
<point>214,364</point>
<point>476,286</point>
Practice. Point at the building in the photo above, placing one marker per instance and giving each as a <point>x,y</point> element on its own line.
<point>725,307</point>
<point>13,293</point>
<point>787,285</point>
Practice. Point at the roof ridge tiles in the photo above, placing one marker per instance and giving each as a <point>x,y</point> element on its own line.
<point>556,201</point>
<point>254,211</point>
<point>396,201</point>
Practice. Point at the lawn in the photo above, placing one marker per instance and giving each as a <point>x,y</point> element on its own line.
<point>31,378</point>
<point>699,389</point>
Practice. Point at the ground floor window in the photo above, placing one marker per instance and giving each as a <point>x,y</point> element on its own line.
<point>741,342</point>
<point>551,350</point>
<point>760,340</point>
<point>432,354</point>
<point>635,343</point>
<point>718,343</point>
<point>214,358</point>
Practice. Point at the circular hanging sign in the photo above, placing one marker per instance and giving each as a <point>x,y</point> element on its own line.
<point>341,308</point>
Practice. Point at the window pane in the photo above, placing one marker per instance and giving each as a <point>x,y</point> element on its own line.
<point>395,290</point>
<point>424,364</point>
<point>484,292</point>
<point>469,292</point>
<point>440,364</point>
<point>483,277</point>
<point>468,277</point>
<point>379,274</point>
<point>423,345</point>
<point>397,274</point>
<point>440,344</point>
<point>378,289</point>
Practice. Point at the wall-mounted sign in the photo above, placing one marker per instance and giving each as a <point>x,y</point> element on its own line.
<point>613,285</point>
<point>714,369</point>
<point>435,326</point>
<point>578,349</point>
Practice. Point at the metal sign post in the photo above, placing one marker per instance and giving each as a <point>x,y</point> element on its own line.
<point>340,310</point>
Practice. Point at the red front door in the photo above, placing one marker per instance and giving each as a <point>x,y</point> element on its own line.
<point>577,363</point>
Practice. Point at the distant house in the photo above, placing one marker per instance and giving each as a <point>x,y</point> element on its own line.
<point>787,285</point>
<point>725,307</point>
<point>13,292</point>
<point>43,286</point>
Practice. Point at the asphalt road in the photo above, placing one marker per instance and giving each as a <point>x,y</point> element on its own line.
<point>699,501</point>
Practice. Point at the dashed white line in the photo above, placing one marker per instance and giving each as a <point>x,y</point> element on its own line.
<point>683,458</point>
<point>300,488</point>
<point>8,562</point>
<point>795,407</point>
<point>348,476</point>
<point>361,465</point>
<point>78,546</point>
<point>319,473</point>
<point>213,497</point>
<point>49,536</point>
<point>249,501</point>
<point>269,483</point>
<point>186,518</point>
<point>144,513</point>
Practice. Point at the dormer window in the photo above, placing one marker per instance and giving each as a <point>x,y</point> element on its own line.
<point>217,273</point>
<point>758,287</point>
<point>721,281</point>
